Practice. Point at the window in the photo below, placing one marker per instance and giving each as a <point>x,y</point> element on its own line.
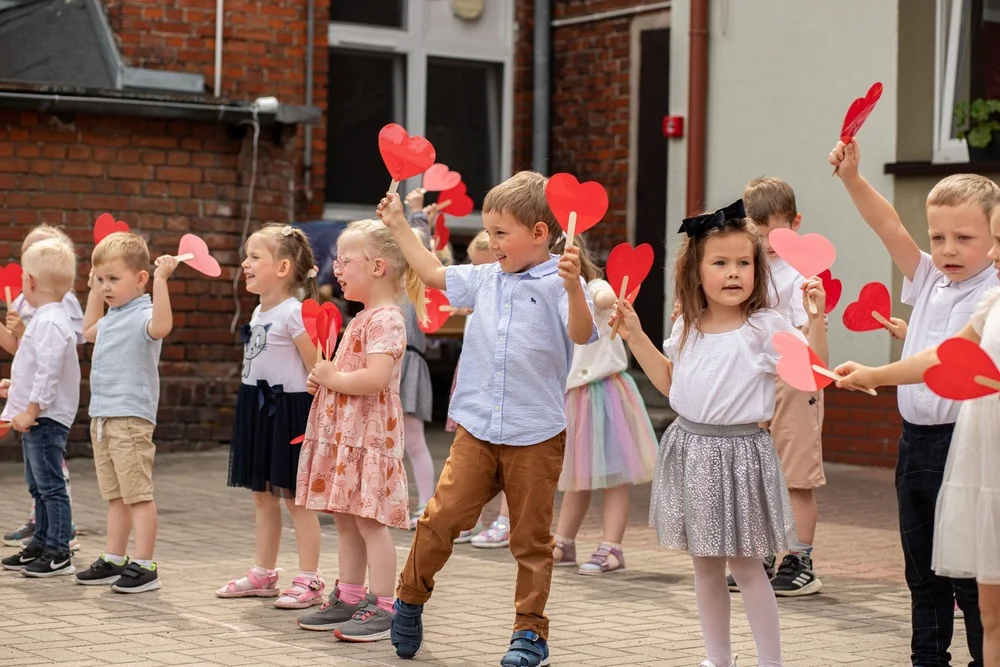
<point>386,13</point>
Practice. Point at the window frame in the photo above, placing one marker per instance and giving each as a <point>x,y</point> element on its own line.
<point>947,47</point>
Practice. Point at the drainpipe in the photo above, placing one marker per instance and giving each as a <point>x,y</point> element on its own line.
<point>541,67</point>
<point>218,46</point>
<point>307,165</point>
<point>697,106</point>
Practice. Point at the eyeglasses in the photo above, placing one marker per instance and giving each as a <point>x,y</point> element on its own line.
<point>340,263</point>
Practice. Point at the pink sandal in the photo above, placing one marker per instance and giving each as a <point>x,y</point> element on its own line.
<point>252,585</point>
<point>304,592</point>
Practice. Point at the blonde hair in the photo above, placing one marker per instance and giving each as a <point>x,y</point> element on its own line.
<point>445,255</point>
<point>47,231</point>
<point>128,247</point>
<point>522,196</point>
<point>291,243</point>
<point>971,189</point>
<point>379,243</point>
<point>480,242</point>
<point>52,263</point>
<point>588,270</point>
<point>768,196</point>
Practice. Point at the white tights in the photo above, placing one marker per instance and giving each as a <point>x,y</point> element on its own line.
<point>420,457</point>
<point>761,607</point>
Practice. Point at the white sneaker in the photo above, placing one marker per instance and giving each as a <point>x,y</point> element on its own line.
<point>709,663</point>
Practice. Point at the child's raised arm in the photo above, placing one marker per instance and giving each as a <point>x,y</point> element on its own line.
<point>812,290</point>
<point>94,312</point>
<point>654,364</point>
<point>423,262</point>
<point>580,324</point>
<point>873,207</point>
<point>8,341</point>
<point>162,321</point>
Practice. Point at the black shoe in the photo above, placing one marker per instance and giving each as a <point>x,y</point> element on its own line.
<point>100,573</point>
<point>768,567</point>
<point>22,558</point>
<point>137,579</point>
<point>52,563</point>
<point>796,577</point>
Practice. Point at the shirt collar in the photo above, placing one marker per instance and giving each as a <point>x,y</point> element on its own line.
<point>137,302</point>
<point>48,306</point>
<point>548,267</point>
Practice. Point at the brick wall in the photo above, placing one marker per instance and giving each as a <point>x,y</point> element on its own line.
<point>861,429</point>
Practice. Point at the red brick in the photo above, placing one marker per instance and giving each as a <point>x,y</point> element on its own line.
<point>182,174</point>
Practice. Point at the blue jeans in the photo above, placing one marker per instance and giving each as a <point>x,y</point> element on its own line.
<point>44,448</point>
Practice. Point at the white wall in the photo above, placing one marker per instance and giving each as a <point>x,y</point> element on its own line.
<point>781,76</point>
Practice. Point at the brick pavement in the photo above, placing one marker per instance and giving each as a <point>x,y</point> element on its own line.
<point>645,616</point>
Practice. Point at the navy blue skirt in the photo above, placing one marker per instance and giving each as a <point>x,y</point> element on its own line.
<point>261,456</point>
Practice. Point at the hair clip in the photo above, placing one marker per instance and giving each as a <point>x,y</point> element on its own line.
<point>313,272</point>
<point>701,224</point>
<point>287,230</point>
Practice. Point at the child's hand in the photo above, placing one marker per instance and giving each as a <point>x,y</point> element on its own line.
<point>630,325</point>
<point>415,199</point>
<point>15,324</point>
<point>23,422</point>
<point>845,159</point>
<point>323,374</point>
<point>390,211</point>
<point>897,328</point>
<point>812,290</point>
<point>855,377</point>
<point>464,312</point>
<point>431,211</point>
<point>4,388</point>
<point>569,269</point>
<point>165,266</point>
<point>311,386</point>
<point>90,279</point>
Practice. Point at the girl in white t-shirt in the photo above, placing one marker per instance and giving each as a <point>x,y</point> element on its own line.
<point>718,491</point>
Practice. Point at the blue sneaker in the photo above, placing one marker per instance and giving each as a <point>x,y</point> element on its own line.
<point>407,632</point>
<point>527,649</point>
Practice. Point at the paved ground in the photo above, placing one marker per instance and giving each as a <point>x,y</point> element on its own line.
<point>646,616</point>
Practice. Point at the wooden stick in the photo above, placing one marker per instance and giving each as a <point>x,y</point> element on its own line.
<point>319,352</point>
<point>984,381</point>
<point>621,297</point>
<point>6,296</point>
<point>185,257</point>
<point>812,305</point>
<point>441,205</point>
<point>571,232</point>
<point>447,309</point>
<point>826,372</point>
<point>877,316</point>
<point>393,186</point>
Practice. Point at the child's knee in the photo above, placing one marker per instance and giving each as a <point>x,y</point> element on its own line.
<point>264,500</point>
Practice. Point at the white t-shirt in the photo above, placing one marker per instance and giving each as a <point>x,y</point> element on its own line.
<point>270,353</point>
<point>941,308</point>
<point>786,293</point>
<point>600,359</point>
<point>727,378</point>
<point>73,311</point>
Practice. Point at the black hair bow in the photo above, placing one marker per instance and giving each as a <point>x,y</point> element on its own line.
<point>700,224</point>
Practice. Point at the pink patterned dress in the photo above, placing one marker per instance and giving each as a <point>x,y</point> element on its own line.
<point>352,456</point>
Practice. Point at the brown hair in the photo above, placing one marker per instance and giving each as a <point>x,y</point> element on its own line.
<point>128,247</point>
<point>53,264</point>
<point>379,243</point>
<point>971,189</point>
<point>588,270</point>
<point>768,196</point>
<point>291,243</point>
<point>687,275</point>
<point>522,196</point>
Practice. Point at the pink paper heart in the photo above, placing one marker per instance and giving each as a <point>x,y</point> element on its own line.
<point>202,260</point>
<point>810,255</point>
<point>795,363</point>
<point>439,178</point>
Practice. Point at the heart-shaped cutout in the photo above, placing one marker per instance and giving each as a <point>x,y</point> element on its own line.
<point>810,255</point>
<point>404,156</point>
<point>441,233</point>
<point>456,202</point>
<point>859,111</point>
<point>438,177</point>
<point>624,260</point>
<point>874,298</point>
<point>336,322</point>
<point>196,255</point>
<point>436,317</point>
<point>4,428</point>
<point>11,279</point>
<point>795,363</point>
<point>961,362</point>
<point>310,313</point>
<point>566,195</point>
<point>834,290</point>
<point>299,440</point>
<point>105,225</point>
<point>631,297</point>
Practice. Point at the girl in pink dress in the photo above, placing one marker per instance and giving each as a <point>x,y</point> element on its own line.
<point>351,463</point>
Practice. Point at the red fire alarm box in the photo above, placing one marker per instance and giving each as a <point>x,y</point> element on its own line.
<point>673,127</point>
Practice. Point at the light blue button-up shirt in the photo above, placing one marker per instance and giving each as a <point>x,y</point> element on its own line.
<point>516,354</point>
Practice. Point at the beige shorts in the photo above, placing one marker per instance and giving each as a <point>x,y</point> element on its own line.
<point>797,431</point>
<point>123,457</point>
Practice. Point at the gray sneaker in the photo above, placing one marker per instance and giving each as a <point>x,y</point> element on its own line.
<point>369,624</point>
<point>331,614</point>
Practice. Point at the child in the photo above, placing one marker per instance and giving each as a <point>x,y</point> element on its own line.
<point>42,401</point>
<point>124,393</point>
<point>610,443</point>
<point>797,425</point>
<point>531,307</point>
<point>352,462</point>
<point>943,287</point>
<point>271,411</point>
<point>19,314</point>
<point>718,491</point>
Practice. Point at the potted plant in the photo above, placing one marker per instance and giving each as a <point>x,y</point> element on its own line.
<point>978,122</point>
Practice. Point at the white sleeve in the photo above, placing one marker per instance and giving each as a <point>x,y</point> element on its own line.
<point>978,320</point>
<point>925,271</point>
<point>759,335</point>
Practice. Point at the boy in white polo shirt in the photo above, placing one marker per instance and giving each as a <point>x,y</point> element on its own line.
<point>944,288</point>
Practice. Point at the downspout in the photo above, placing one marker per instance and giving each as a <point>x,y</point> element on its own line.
<point>540,117</point>
<point>697,106</point>
<point>307,164</point>
<point>219,16</point>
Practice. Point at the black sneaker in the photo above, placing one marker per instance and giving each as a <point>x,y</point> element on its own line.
<point>768,567</point>
<point>22,558</point>
<point>137,579</point>
<point>52,563</point>
<point>16,538</point>
<point>100,573</point>
<point>796,577</point>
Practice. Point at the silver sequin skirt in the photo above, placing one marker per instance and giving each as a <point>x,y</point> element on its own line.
<point>719,491</point>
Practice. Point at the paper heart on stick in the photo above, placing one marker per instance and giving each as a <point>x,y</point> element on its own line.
<point>322,322</point>
<point>965,371</point>
<point>567,196</point>
<point>859,111</point>
<point>810,255</point>
<point>310,313</point>
<point>874,298</point>
<point>455,201</point>
<point>299,440</point>
<point>105,225</point>
<point>796,361</point>
<point>834,289</point>
<point>624,260</point>
<point>10,279</point>
<point>4,428</point>
<point>441,233</point>
<point>438,310</point>
<point>438,177</point>
<point>193,251</point>
<point>404,156</point>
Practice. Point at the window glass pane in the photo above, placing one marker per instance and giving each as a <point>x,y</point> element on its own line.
<point>385,13</point>
<point>464,108</point>
<point>988,40</point>
<point>366,91</point>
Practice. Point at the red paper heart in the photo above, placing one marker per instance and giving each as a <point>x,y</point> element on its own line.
<point>460,204</point>
<point>565,194</point>
<point>795,363</point>
<point>10,277</point>
<point>631,297</point>
<point>310,313</point>
<point>441,233</point>
<point>4,428</point>
<point>106,225</point>
<point>203,260</point>
<point>323,329</point>
<point>336,322</point>
<point>874,297</point>
<point>438,177</point>
<point>810,255</point>
<point>961,361</point>
<point>859,111</point>
<point>624,260</point>
<point>834,289</point>
<point>299,440</point>
<point>435,316</point>
<point>404,156</point>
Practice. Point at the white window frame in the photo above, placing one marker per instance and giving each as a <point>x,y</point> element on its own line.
<point>412,42</point>
<point>947,51</point>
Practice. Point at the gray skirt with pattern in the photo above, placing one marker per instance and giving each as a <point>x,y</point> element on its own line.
<point>719,491</point>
